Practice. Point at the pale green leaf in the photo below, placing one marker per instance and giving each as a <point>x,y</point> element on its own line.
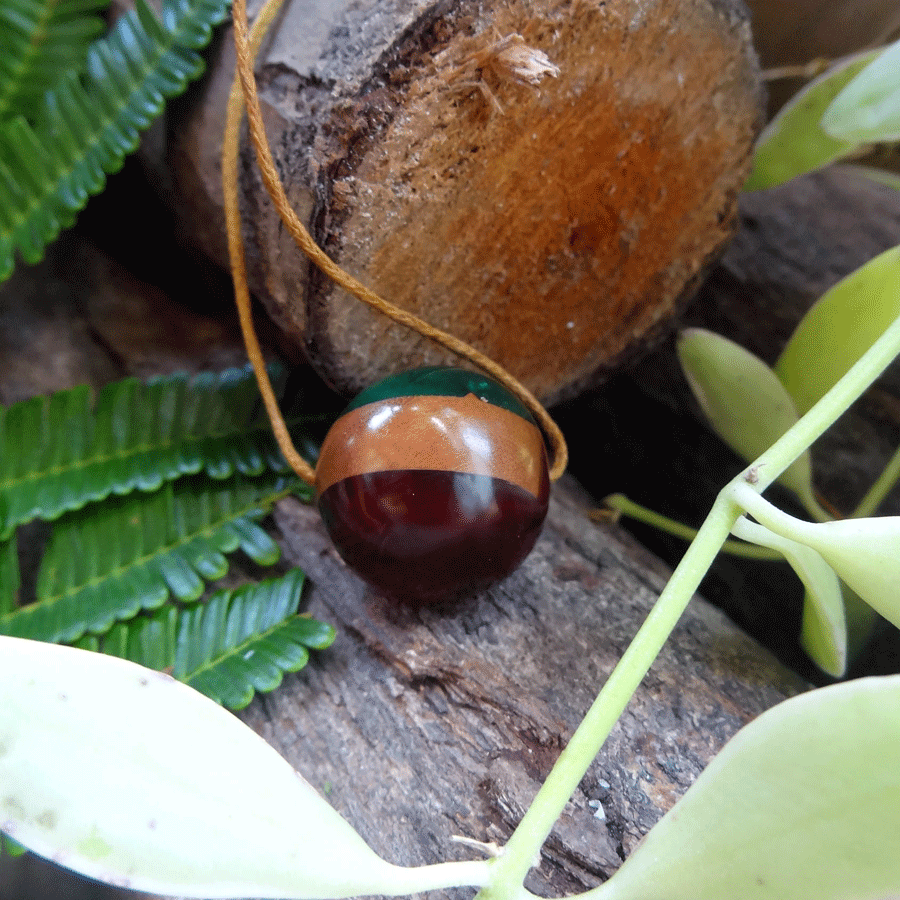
<point>794,142</point>
<point>823,633</point>
<point>865,553</point>
<point>838,330</point>
<point>745,403</point>
<point>128,776</point>
<point>867,110</point>
<point>802,804</point>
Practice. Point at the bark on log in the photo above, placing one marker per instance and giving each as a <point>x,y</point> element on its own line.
<point>424,724</point>
<point>554,220</point>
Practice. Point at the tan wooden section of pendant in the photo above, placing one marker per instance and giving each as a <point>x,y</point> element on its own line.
<point>452,434</point>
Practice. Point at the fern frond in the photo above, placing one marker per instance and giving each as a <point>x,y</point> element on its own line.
<point>40,41</point>
<point>9,575</point>
<point>60,452</point>
<point>247,641</point>
<point>107,562</point>
<point>84,128</point>
<point>238,642</point>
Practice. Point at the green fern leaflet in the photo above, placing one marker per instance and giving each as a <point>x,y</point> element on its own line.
<point>9,847</point>
<point>82,129</point>
<point>145,492</point>
<point>40,40</point>
<point>237,643</point>
<point>110,561</point>
<point>60,452</point>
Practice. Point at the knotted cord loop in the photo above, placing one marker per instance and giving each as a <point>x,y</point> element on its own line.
<point>243,92</point>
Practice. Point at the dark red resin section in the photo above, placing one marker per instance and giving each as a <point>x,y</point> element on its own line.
<point>425,536</point>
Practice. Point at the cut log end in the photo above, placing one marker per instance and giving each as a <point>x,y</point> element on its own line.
<point>552,224</point>
<point>546,180</point>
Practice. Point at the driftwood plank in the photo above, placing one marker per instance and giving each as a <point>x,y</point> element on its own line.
<point>424,724</point>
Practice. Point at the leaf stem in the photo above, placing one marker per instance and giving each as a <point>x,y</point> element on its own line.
<point>403,880</point>
<point>879,489</point>
<point>626,507</point>
<point>509,870</point>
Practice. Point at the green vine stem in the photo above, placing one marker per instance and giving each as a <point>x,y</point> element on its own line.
<point>879,489</point>
<point>626,507</point>
<point>405,880</point>
<point>510,869</point>
<point>518,856</point>
<point>801,436</point>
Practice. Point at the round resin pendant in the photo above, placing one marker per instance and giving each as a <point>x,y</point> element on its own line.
<point>433,483</point>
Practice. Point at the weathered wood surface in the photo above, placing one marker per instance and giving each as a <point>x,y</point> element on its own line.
<point>433,723</point>
<point>425,724</point>
<point>554,219</point>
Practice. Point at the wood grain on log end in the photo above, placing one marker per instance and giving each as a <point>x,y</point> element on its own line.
<point>546,180</point>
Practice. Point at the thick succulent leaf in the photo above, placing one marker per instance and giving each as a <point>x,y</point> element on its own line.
<point>236,643</point>
<point>866,554</point>
<point>61,452</point>
<point>838,330</point>
<point>41,40</point>
<point>126,775</point>
<point>867,110</point>
<point>803,802</point>
<point>794,141</point>
<point>84,128</point>
<point>108,562</point>
<point>745,403</point>
<point>863,552</point>
<point>823,633</point>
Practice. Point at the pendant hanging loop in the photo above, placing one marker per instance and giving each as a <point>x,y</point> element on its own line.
<point>247,43</point>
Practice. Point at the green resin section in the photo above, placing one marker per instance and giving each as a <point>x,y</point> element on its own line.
<point>442,381</point>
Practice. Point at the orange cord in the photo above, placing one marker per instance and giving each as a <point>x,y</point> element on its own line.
<point>247,46</point>
<point>230,151</point>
